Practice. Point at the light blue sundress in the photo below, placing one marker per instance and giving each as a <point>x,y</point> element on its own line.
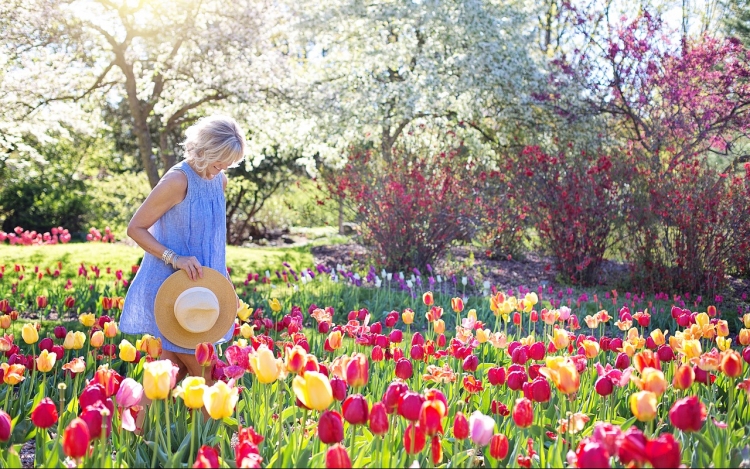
<point>194,227</point>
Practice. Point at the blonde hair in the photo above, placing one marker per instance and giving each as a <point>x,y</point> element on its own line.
<point>214,139</point>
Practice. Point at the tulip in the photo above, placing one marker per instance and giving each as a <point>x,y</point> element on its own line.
<point>158,378</point>
<point>207,457</point>
<point>29,333</point>
<point>44,414</point>
<point>205,354</point>
<point>643,405</point>
<point>540,390</point>
<point>731,364</point>
<point>127,351</point>
<point>378,419</point>
<point>744,337</point>
<point>439,326</point>
<point>45,361</point>
<point>407,316</point>
<point>562,371</point>
<point>87,319</point>
<point>338,388</point>
<point>608,435</point>
<point>266,367</point>
<point>94,416</point>
<point>482,428</point>
<point>523,413</point>
<point>622,361</point>
<point>330,427</point>
<point>410,405</point>
<point>516,380</point>
<point>337,457</point>
<point>5,321</point>
<point>590,348</point>
<point>129,394</point>
<point>414,439</point>
<point>392,396</point>
<point>560,339</point>
<point>496,376</point>
<point>604,386</point>
<point>275,305</point>
<point>74,340</point>
<point>499,446</point>
<point>6,426</point>
<point>664,451</point>
<point>688,414</point>
<point>42,302</point>
<point>110,329</point>
<point>313,389</point>
<point>470,363</point>
<point>355,409</point>
<point>652,380</point>
<point>436,451</point>
<point>457,304</point>
<point>334,340</point>
<point>220,400</point>
<point>191,391</point>
<point>76,439</point>
<point>591,454</point>
<point>12,374</point>
<point>404,369</point>
<point>632,447</point>
<point>431,415</point>
<point>97,339</point>
<point>428,298</point>
<point>150,345</point>
<point>684,377</point>
<point>357,371</point>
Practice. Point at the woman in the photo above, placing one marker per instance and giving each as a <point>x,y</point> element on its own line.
<point>182,225</point>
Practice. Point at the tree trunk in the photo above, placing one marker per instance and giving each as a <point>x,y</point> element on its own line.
<point>341,215</point>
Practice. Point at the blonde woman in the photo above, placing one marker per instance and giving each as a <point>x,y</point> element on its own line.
<point>182,225</point>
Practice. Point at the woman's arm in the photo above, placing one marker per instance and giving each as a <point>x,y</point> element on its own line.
<point>170,191</point>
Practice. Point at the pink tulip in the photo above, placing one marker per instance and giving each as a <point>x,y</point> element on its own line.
<point>482,428</point>
<point>130,393</point>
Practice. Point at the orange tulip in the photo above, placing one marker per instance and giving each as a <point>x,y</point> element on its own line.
<point>684,377</point>
<point>12,374</point>
<point>334,340</point>
<point>731,363</point>
<point>562,371</point>
<point>407,316</point>
<point>457,304</point>
<point>651,380</point>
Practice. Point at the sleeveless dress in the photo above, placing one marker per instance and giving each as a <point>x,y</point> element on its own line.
<point>194,227</point>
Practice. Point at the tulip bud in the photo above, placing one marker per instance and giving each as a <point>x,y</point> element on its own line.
<point>460,426</point>
<point>6,426</point>
<point>396,336</point>
<point>470,363</point>
<point>60,332</point>
<point>622,361</point>
<point>357,371</point>
<point>496,376</point>
<point>330,427</point>
<point>337,457</point>
<point>76,439</point>
<point>404,369</point>
<point>205,354</point>
<point>338,388</point>
<point>355,409</point>
<point>428,298</point>
<point>731,364</point>
<point>540,390</point>
<point>499,446</point>
<point>604,386</point>
<point>523,413</point>
<point>377,354</point>
<point>378,419</point>
<point>44,414</point>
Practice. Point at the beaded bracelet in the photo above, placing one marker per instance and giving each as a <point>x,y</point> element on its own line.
<point>167,256</point>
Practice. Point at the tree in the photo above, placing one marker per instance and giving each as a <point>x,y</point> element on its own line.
<point>166,60</point>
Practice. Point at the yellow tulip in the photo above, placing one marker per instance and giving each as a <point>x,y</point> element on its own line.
<point>691,348</point>
<point>722,328</point>
<point>275,305</point>
<point>560,339</point>
<point>746,320</point>
<point>531,298</point>
<point>191,391</point>
<point>562,371</point>
<point>46,361</point>
<point>5,321</point>
<point>79,338</point>
<point>643,405</point>
<point>127,351</point>
<point>87,319</point>
<point>97,339</point>
<point>220,400</point>
<point>472,315</point>
<point>313,389</point>
<point>407,316</point>
<point>266,367</point>
<point>590,348</point>
<point>158,379</point>
<point>244,311</point>
<point>658,337</point>
<point>439,326</point>
<point>29,333</point>
<point>247,331</point>
<point>651,380</point>
<point>702,320</point>
<point>150,345</point>
<point>483,335</point>
<point>723,343</point>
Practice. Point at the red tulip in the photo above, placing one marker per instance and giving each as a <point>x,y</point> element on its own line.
<point>499,446</point>
<point>46,344</point>
<point>604,386</point>
<point>537,351</point>
<point>337,457</point>
<point>109,379</point>
<point>404,369</point>
<point>516,379</point>
<point>376,328</point>
<point>396,336</point>
<point>330,427</point>
<point>417,352</point>
<point>69,303</point>
<point>460,426</point>
<point>410,405</point>
<point>377,354</point>
<point>688,414</point>
<point>746,354</point>
<point>520,355</point>
<point>378,419</point>
<point>414,439</point>
<point>60,332</point>
<point>76,439</point>
<point>417,339</point>
<point>517,319</point>
<point>431,416</point>
<point>663,452</point>
<point>357,371</point>
<point>632,447</point>
<point>523,413</point>
<point>338,388</point>
<point>540,390</point>
<point>94,418</point>
<point>622,361</point>
<point>470,363</point>
<point>41,302</point>
<point>205,354</point>
<point>44,414</point>
<point>6,426</point>
<point>731,364</point>
<point>496,376</point>
<point>591,454</point>
<point>207,457</point>
<point>355,409</point>
<point>392,396</point>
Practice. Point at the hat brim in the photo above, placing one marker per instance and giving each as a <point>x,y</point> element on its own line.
<point>177,283</point>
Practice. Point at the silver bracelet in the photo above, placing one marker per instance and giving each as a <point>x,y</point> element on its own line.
<point>167,256</point>
<point>174,261</point>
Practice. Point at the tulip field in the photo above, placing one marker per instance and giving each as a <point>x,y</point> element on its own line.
<point>331,368</point>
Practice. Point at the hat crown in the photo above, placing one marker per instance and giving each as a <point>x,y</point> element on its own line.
<point>196,309</point>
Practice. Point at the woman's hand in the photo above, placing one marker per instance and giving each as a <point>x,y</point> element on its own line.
<point>191,266</point>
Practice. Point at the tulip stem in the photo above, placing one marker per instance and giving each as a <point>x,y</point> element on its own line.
<point>155,419</point>
<point>40,444</point>
<point>194,435</point>
<point>169,430</point>
<point>278,403</point>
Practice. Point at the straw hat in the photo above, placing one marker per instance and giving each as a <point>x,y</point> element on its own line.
<point>190,312</point>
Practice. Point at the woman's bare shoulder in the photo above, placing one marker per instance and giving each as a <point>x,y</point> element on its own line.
<point>172,186</point>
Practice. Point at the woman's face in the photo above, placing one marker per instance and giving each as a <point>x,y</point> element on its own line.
<point>215,168</point>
